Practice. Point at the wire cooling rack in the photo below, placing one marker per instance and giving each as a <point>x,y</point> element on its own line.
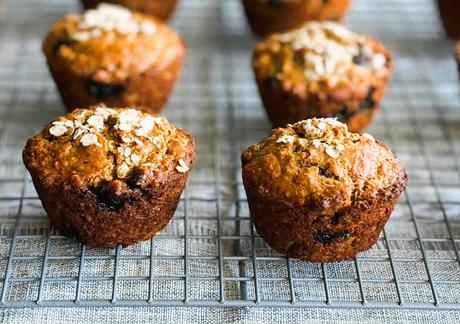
<point>210,255</point>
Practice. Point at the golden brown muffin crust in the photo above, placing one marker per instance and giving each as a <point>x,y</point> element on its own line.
<point>161,9</point>
<point>318,163</point>
<point>268,16</point>
<point>100,145</point>
<point>111,43</point>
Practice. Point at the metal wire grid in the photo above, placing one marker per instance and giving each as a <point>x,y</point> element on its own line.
<point>210,255</point>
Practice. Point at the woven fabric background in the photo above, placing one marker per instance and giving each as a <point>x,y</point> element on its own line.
<point>209,253</point>
<point>223,315</point>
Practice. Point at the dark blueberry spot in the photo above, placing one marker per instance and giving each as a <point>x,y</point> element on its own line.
<point>323,170</point>
<point>299,59</point>
<point>329,237</point>
<point>369,102</point>
<point>335,218</point>
<point>272,82</point>
<point>60,43</point>
<point>345,113</point>
<point>108,200</point>
<point>134,177</point>
<point>358,59</point>
<point>275,2</point>
<point>102,90</point>
<point>361,58</point>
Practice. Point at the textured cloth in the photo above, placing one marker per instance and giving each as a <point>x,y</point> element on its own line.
<point>216,100</point>
<point>223,316</point>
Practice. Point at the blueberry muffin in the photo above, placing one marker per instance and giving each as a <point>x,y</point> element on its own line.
<point>321,70</point>
<point>319,192</point>
<point>449,10</point>
<point>162,9</point>
<point>273,16</point>
<point>109,176</point>
<point>114,56</point>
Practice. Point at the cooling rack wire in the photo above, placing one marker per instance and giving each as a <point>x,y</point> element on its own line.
<point>210,255</point>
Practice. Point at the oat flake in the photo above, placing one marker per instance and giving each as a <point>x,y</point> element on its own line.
<point>135,159</point>
<point>332,153</point>
<point>369,137</point>
<point>88,139</point>
<point>122,170</point>
<point>182,167</point>
<point>316,143</point>
<point>58,130</point>
<point>96,121</point>
<point>285,139</point>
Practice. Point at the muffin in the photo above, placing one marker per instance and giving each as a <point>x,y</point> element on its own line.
<point>162,9</point>
<point>321,70</point>
<point>449,10</point>
<point>319,192</point>
<point>457,55</point>
<point>109,176</point>
<point>113,56</point>
<point>268,16</point>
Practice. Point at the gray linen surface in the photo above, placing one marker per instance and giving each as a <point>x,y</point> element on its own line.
<point>414,262</point>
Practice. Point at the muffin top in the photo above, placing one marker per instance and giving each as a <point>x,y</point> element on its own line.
<point>110,43</point>
<point>320,56</point>
<point>319,163</point>
<point>101,144</point>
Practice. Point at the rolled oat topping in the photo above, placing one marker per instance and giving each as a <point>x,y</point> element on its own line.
<point>286,139</point>
<point>182,167</point>
<point>106,18</point>
<point>129,135</point>
<point>369,137</point>
<point>89,139</point>
<point>330,50</point>
<point>326,134</point>
<point>58,130</point>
